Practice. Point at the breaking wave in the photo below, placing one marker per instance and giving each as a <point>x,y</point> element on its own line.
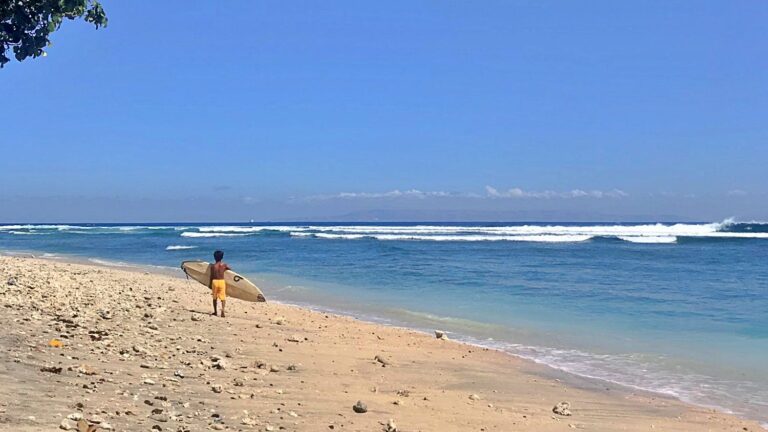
<point>649,239</point>
<point>636,233</point>
<point>454,238</point>
<point>244,229</point>
<point>211,234</point>
<point>650,233</point>
<point>179,247</point>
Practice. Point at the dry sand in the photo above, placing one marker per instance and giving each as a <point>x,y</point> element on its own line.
<point>140,353</point>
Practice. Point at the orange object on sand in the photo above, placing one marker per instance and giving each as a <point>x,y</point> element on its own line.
<point>55,343</point>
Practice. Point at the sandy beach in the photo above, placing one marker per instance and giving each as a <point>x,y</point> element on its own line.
<point>139,352</point>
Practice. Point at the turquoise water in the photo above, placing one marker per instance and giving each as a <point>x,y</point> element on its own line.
<point>680,309</point>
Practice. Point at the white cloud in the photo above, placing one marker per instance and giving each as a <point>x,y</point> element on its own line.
<point>737,192</point>
<point>410,193</point>
<point>492,192</point>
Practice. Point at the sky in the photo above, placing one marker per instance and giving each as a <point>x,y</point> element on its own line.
<point>398,110</point>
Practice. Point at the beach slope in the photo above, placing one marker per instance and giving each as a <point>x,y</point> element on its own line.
<point>135,351</point>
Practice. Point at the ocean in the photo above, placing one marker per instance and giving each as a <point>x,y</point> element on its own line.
<point>679,309</point>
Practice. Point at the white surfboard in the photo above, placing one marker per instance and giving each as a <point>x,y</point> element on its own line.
<point>237,286</point>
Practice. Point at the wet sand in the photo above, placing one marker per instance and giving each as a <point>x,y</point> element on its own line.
<point>141,352</point>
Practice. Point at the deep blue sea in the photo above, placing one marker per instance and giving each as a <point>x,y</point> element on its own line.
<point>680,309</point>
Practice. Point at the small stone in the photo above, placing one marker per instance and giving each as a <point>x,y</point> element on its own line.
<point>294,338</point>
<point>67,424</point>
<point>274,368</point>
<point>86,370</point>
<point>280,321</point>
<point>149,381</point>
<point>217,426</point>
<point>381,359</point>
<point>179,374</point>
<point>83,425</point>
<point>11,281</point>
<point>75,416</point>
<point>196,317</point>
<point>390,426</point>
<point>51,369</point>
<point>162,418</point>
<point>360,407</point>
<point>474,397</point>
<point>440,335</point>
<point>563,409</point>
<point>217,388</point>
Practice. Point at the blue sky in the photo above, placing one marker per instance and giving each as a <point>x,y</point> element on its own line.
<point>479,110</point>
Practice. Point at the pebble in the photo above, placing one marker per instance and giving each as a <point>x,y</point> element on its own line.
<point>563,409</point>
<point>440,335</point>
<point>162,418</point>
<point>67,424</point>
<point>390,426</point>
<point>360,407</point>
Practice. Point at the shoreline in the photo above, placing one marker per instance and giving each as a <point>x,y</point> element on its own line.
<point>605,392</point>
<point>545,370</point>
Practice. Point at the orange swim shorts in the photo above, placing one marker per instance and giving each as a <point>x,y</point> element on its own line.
<point>219,289</point>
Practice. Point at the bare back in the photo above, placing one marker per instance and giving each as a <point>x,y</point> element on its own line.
<point>218,269</point>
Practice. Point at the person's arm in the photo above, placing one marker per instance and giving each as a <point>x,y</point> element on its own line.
<point>210,281</point>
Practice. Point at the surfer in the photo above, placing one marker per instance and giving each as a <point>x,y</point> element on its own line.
<point>218,285</point>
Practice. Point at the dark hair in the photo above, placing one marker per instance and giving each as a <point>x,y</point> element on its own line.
<point>218,255</point>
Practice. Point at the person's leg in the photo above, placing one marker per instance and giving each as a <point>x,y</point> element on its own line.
<point>214,306</point>
<point>223,303</point>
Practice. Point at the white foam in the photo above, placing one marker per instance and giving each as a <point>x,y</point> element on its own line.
<point>649,239</point>
<point>42,227</point>
<point>301,234</point>
<point>459,238</point>
<point>247,229</point>
<point>210,234</point>
<point>179,247</point>
<point>110,263</point>
<point>594,230</point>
<point>658,232</point>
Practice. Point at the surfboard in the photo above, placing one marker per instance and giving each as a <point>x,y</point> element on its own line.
<point>237,286</point>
